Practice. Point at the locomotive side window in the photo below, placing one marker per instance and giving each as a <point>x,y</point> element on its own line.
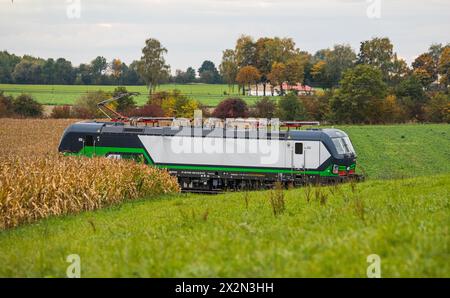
<point>298,148</point>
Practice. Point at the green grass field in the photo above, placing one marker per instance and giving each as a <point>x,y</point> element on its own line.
<point>405,222</point>
<point>400,213</point>
<point>207,94</point>
<point>398,151</point>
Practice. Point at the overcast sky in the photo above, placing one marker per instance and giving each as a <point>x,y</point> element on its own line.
<point>196,30</point>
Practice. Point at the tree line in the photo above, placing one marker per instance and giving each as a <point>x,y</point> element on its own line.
<point>267,61</point>
<point>151,69</point>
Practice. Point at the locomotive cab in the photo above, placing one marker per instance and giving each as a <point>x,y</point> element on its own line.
<point>342,151</point>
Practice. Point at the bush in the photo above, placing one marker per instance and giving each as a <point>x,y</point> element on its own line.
<point>392,111</point>
<point>316,107</point>
<point>231,108</point>
<point>86,106</point>
<point>174,104</point>
<point>437,109</point>
<point>291,108</point>
<point>6,105</point>
<point>61,112</point>
<point>149,110</point>
<point>125,103</point>
<point>265,108</point>
<point>24,105</point>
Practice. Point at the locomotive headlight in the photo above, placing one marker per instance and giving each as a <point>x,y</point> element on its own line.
<point>335,169</point>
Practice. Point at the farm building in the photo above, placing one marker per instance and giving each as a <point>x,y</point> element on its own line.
<point>258,90</point>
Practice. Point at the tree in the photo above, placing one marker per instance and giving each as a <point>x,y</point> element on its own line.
<point>295,70</point>
<point>329,64</point>
<point>98,68</point>
<point>208,73</point>
<point>377,52</point>
<point>291,108</point>
<point>231,108</point>
<point>277,75</point>
<point>130,74</point>
<point>437,109</point>
<point>7,64</point>
<point>152,67</point>
<point>116,67</point>
<point>318,73</point>
<point>444,67</point>
<point>399,71</point>
<point>229,67</point>
<point>425,69</point>
<point>411,94</point>
<point>265,108</point>
<point>271,50</point>
<point>245,51</point>
<point>24,105</point>
<point>360,86</point>
<point>338,60</point>
<point>126,103</point>
<point>248,75</point>
<point>27,72</point>
<point>190,75</point>
<point>185,77</point>
<point>63,72</point>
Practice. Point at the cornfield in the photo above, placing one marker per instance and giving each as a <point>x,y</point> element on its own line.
<point>36,182</point>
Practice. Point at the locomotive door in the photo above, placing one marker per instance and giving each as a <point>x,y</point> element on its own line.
<point>295,159</point>
<point>302,155</point>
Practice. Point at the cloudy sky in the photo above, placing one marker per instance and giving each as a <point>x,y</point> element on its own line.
<point>195,30</point>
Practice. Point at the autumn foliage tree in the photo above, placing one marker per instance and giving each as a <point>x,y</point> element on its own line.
<point>444,67</point>
<point>231,108</point>
<point>248,75</point>
<point>277,75</point>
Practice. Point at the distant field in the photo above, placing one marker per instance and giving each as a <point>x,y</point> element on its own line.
<point>207,94</point>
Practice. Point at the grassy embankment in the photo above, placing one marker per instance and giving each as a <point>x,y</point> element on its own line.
<point>326,231</point>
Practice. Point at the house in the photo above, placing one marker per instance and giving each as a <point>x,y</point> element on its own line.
<point>258,90</point>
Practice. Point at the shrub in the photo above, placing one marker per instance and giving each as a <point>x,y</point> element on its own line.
<point>265,108</point>
<point>174,104</point>
<point>437,109</point>
<point>291,108</point>
<point>392,111</point>
<point>61,112</point>
<point>6,105</point>
<point>24,105</point>
<point>231,108</point>
<point>149,110</point>
<point>316,107</point>
<point>277,200</point>
<point>86,106</point>
<point>125,103</point>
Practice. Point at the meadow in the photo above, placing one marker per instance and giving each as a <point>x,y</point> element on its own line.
<point>207,94</point>
<point>400,213</point>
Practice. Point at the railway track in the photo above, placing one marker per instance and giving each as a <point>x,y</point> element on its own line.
<point>201,191</point>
